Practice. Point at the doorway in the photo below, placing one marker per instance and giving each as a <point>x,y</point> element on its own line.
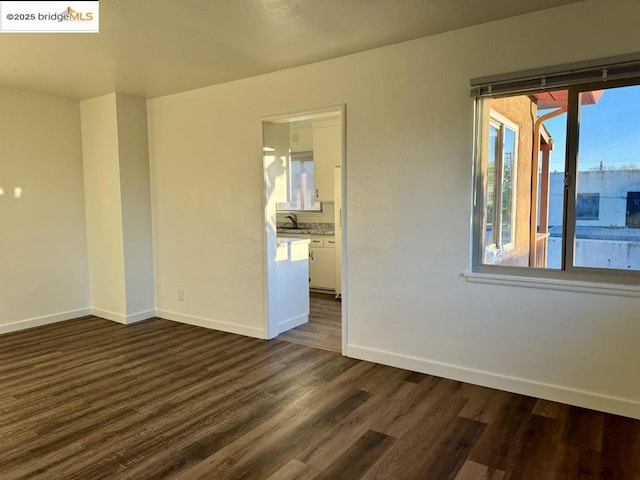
<point>304,171</point>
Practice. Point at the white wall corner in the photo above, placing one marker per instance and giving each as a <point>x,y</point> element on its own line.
<point>138,317</point>
<point>108,315</point>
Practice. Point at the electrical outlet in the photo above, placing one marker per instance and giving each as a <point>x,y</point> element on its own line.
<point>181,294</point>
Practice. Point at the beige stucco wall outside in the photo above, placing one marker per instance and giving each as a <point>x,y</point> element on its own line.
<point>521,111</point>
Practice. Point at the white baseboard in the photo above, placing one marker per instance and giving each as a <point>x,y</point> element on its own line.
<point>557,393</point>
<point>292,322</point>
<point>138,317</point>
<point>120,318</point>
<point>114,317</point>
<point>45,320</point>
<point>211,324</point>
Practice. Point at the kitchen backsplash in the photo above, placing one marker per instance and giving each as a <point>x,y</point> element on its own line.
<point>326,216</point>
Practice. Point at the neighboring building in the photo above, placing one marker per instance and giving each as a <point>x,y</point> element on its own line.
<point>607,219</point>
<point>606,198</point>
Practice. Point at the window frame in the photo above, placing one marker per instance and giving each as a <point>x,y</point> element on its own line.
<point>302,157</point>
<point>567,270</point>
<point>501,122</point>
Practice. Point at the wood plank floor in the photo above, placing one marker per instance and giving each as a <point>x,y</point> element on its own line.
<point>92,399</point>
<point>324,329</point>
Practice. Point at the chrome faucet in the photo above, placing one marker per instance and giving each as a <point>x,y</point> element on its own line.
<point>293,218</point>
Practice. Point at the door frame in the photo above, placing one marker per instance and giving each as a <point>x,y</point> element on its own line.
<point>269,214</point>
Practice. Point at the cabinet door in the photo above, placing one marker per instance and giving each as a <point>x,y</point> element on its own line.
<point>327,153</point>
<point>322,268</point>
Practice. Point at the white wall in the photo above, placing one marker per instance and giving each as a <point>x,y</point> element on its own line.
<point>409,167</point>
<point>43,251</point>
<point>116,175</point>
<point>133,152</point>
<point>208,221</point>
<point>103,206</point>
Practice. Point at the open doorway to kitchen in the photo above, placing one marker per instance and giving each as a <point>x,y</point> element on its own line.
<point>304,171</point>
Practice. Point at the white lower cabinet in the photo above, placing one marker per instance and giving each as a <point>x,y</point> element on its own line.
<point>322,263</point>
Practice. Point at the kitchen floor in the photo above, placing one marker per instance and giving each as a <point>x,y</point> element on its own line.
<point>324,329</point>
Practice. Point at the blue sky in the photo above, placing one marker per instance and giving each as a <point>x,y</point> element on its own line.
<point>609,131</point>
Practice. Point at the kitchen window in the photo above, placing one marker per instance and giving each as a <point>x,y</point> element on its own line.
<point>556,171</point>
<point>301,185</point>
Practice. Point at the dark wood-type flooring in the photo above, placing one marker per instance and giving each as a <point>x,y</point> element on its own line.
<point>324,329</point>
<point>91,399</point>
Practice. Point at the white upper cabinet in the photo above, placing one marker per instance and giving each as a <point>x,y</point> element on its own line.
<point>327,154</point>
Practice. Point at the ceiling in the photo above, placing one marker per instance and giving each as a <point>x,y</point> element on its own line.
<point>158,47</point>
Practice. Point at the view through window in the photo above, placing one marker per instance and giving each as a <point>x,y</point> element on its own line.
<point>301,184</point>
<point>501,174</point>
<point>530,185</point>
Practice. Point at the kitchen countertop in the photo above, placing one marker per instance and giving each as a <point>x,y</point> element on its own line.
<point>281,232</point>
<point>316,229</point>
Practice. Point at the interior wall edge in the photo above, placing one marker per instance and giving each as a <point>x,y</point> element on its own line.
<point>140,316</point>
<point>109,315</point>
<point>121,318</point>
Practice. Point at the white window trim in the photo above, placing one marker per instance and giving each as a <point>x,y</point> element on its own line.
<point>556,284</point>
<point>500,120</point>
<point>570,277</point>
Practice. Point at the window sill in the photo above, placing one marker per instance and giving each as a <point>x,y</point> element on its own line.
<point>554,284</point>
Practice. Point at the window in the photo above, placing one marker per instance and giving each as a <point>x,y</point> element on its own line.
<point>588,206</point>
<point>558,181</point>
<point>301,185</point>
<point>501,173</point>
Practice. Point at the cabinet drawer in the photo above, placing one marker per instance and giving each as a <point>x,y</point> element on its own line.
<point>329,243</point>
<point>317,242</point>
